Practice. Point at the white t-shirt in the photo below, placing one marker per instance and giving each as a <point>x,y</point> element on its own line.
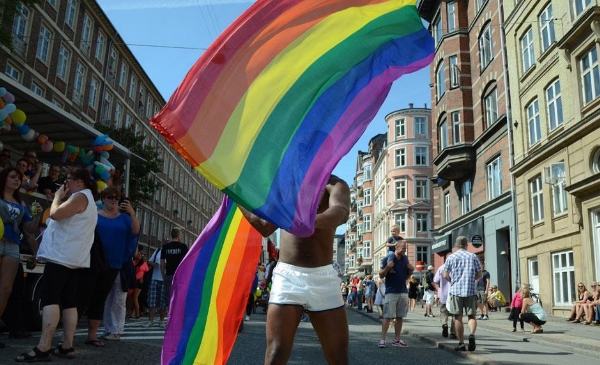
<point>155,258</point>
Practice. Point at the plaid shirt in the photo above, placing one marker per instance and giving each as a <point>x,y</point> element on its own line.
<point>462,267</point>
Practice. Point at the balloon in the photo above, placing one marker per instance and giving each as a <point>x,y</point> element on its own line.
<point>101,185</point>
<point>9,98</point>
<point>107,147</point>
<point>1,228</point>
<point>4,115</point>
<point>24,129</point>
<point>47,147</point>
<point>99,169</point>
<point>2,123</point>
<point>72,149</point>
<point>29,136</point>
<point>10,108</point>
<point>97,149</point>
<point>59,147</point>
<point>42,139</point>
<point>105,155</point>
<point>72,158</point>
<point>105,175</point>
<point>2,91</point>
<point>65,154</point>
<point>18,116</point>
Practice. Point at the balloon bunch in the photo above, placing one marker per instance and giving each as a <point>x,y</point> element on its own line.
<point>95,160</point>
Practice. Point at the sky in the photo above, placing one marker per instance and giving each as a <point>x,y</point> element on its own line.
<point>168,36</point>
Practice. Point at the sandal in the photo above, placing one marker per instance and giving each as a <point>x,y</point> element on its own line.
<point>64,353</point>
<point>40,356</point>
<point>576,320</point>
<point>538,331</point>
<point>95,343</point>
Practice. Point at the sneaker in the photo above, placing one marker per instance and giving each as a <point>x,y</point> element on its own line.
<point>381,344</point>
<point>471,343</point>
<point>430,315</point>
<point>399,343</point>
<point>112,337</point>
<point>149,324</point>
<point>514,330</point>
<point>445,330</point>
<point>485,318</point>
<point>161,324</point>
<point>460,347</point>
<point>247,318</point>
<point>480,316</point>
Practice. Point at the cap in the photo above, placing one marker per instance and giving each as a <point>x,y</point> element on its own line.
<point>430,267</point>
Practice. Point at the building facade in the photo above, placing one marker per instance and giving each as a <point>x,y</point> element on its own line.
<point>69,53</point>
<point>472,151</point>
<point>555,99</point>
<point>392,186</point>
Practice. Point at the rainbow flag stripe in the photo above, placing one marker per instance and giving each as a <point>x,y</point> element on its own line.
<point>285,92</point>
<point>210,290</point>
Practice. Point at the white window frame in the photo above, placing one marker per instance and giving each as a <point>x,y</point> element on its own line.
<point>400,189</point>
<point>438,31</point>
<point>367,222</point>
<point>400,157</point>
<point>454,71</point>
<point>93,97</point>
<point>447,217</point>
<point>579,6</point>
<point>536,192</point>
<point>132,87</point>
<point>547,34</point>
<point>400,127</point>
<point>12,72</point>
<point>443,133</point>
<point>440,84</point>
<point>37,89</point>
<point>20,28</point>
<point>128,121</point>
<point>451,14</point>
<point>367,252</point>
<point>367,172</point>
<point>100,42</point>
<point>86,35</point>
<point>123,75</point>
<point>421,222</point>
<point>491,107</point>
<point>401,220</point>
<point>466,202</point>
<point>70,13</point>
<point>494,178</point>
<point>563,272</point>
<point>420,126</point>
<point>423,254</point>
<point>455,127</point>
<point>78,84</point>
<point>527,50</point>
<point>486,47</point>
<point>589,74</point>
<point>560,200</point>
<point>421,156</point>
<point>421,188</point>
<point>533,122</point>
<point>43,47</point>
<point>118,115</point>
<point>554,105</point>
<point>63,63</point>
<point>367,199</point>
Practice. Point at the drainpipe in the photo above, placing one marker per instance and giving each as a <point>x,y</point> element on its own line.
<point>514,252</point>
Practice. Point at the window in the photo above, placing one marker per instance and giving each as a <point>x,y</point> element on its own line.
<point>400,157</point>
<point>100,47</point>
<point>92,100</point>
<point>420,127</point>
<point>400,220</point>
<point>422,254</point>
<point>438,32</point>
<point>527,51</point>
<point>563,270</point>
<point>547,28</point>
<point>580,5</point>
<point>533,122</point>
<point>400,189</point>
<point>596,161</point>
<point>367,197</point>
<point>447,208</point>
<point>123,75</point>
<point>118,115</point>
<point>112,65</point>
<point>451,13</point>
<point>12,72</point>
<point>537,199</point>
<point>421,220</point>
<point>367,223</point>
<point>440,82</point>
<point>37,89</point>
<point>454,71</point>
<point>559,194</point>
<point>52,2</point>
<point>400,127</point>
<point>491,107</point>
<point>128,121</point>
<point>19,28</point>
<point>43,44</point>
<point>554,105</point>
<point>455,127</point>
<point>443,133</point>
<point>106,106</point>
<point>366,249</point>
<point>70,13</point>
<point>479,4</point>
<point>149,103</point>
<point>486,47</point>
<point>590,76</point>
<point>421,188</point>
<point>421,156</point>
<point>86,34</point>
<point>367,172</point>
<point>494,178</point>
<point>78,84</point>
<point>465,202</point>
<point>132,87</point>
<point>63,63</point>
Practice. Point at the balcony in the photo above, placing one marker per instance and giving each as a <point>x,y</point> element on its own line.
<point>456,163</point>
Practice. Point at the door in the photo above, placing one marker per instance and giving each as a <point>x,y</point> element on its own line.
<point>596,240</point>
<point>534,279</point>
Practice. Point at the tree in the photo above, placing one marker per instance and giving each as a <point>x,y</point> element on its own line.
<point>8,8</point>
<point>141,187</point>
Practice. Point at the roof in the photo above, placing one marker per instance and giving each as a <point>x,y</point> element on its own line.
<point>52,121</point>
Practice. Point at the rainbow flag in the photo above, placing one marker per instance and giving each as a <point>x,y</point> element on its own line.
<point>285,92</point>
<point>210,290</point>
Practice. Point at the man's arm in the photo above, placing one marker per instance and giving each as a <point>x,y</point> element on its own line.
<point>262,226</point>
<point>339,205</point>
<point>479,275</point>
<point>447,276</point>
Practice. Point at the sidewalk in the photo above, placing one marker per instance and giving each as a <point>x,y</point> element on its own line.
<point>561,343</point>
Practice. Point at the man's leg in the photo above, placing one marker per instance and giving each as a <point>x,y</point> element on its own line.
<point>282,323</point>
<point>385,324</point>
<point>332,328</point>
<point>472,324</point>
<point>460,330</point>
<point>398,328</point>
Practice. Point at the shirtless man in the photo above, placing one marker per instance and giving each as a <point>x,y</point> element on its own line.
<point>305,280</point>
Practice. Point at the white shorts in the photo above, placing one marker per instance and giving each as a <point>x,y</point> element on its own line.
<point>314,288</point>
<point>429,296</point>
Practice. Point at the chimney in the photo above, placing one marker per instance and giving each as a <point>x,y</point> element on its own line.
<point>410,105</point>
<point>425,105</point>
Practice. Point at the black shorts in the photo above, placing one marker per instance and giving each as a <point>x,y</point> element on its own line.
<point>59,286</point>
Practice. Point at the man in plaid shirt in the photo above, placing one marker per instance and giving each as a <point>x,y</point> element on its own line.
<point>462,269</point>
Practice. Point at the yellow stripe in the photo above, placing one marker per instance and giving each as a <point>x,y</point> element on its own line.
<point>248,118</point>
<point>210,344</point>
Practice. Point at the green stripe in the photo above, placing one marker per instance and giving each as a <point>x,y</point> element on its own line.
<point>302,95</point>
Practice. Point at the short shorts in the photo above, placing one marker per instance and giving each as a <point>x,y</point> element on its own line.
<point>459,305</point>
<point>395,305</point>
<point>429,297</point>
<point>315,288</point>
<point>9,249</point>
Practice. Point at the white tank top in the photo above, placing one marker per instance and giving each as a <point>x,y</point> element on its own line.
<point>68,241</point>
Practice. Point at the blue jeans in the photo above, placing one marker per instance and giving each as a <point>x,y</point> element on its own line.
<point>597,313</point>
<point>359,298</point>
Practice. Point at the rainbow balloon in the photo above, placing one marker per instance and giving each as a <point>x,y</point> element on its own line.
<point>210,290</point>
<point>285,92</point>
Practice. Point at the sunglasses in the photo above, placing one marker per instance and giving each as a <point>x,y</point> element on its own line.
<point>581,286</point>
<point>111,197</point>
